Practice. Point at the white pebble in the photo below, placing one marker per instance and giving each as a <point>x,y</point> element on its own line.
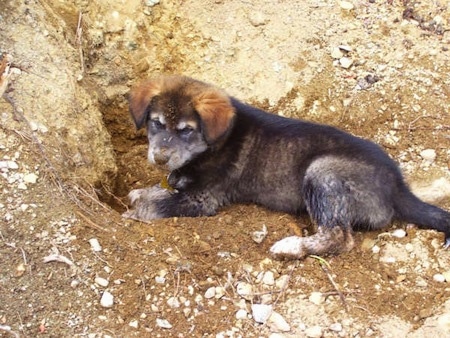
<point>241,314</point>
<point>101,281</point>
<point>160,280</point>
<point>134,323</point>
<point>376,249</point>
<point>22,186</point>
<point>345,62</point>
<point>409,247</point>
<point>282,282</point>
<point>261,312</point>
<point>313,332</point>
<point>187,311</point>
<point>346,5</point>
<point>245,290</point>
<point>337,53</point>
<point>439,278</point>
<point>163,323</point>
<point>336,327</point>
<point>446,275</point>
<point>398,233</point>
<point>173,302</point>
<point>268,278</point>
<point>95,245</point>
<point>210,293</point>
<point>8,165</point>
<point>316,298</point>
<point>259,235</point>
<point>428,155</point>
<point>30,178</point>
<point>220,292</point>
<point>257,19</point>
<point>278,323</point>
<point>107,300</point>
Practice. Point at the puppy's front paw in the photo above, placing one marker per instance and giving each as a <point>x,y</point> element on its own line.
<point>289,248</point>
<point>145,203</point>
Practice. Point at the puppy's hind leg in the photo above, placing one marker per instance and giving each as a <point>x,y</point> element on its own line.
<point>327,241</point>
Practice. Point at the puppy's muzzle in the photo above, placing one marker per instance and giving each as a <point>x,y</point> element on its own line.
<point>162,157</point>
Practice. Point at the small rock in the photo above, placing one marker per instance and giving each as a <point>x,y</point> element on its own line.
<point>8,165</point>
<point>95,245</point>
<point>446,275</point>
<point>245,290</point>
<point>268,278</point>
<point>428,155</point>
<point>30,178</point>
<point>241,314</point>
<point>258,236</point>
<point>101,281</point>
<point>22,186</point>
<point>316,298</point>
<point>345,48</point>
<point>313,332</point>
<point>134,323</point>
<point>337,53</point>
<point>399,233</point>
<point>187,311</point>
<point>163,323</point>
<point>160,280</point>
<point>345,62</point>
<point>220,292</point>
<point>107,300</point>
<point>257,19</point>
<point>282,282</point>
<point>278,323</point>
<point>367,244</point>
<point>261,312</point>
<point>336,327</point>
<point>348,6</point>
<point>210,293</point>
<point>173,302</point>
<point>439,278</point>
<point>151,3</point>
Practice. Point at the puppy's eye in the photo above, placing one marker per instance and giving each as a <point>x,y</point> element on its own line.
<point>186,131</point>
<point>156,123</point>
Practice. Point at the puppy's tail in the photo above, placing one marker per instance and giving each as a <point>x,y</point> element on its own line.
<point>411,209</point>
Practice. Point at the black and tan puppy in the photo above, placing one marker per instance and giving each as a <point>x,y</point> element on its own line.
<point>221,151</point>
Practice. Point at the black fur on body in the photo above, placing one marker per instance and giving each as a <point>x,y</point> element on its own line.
<point>343,182</point>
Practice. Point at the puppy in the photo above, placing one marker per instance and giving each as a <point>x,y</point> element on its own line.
<point>220,151</point>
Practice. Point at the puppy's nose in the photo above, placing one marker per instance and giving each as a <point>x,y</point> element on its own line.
<point>161,157</point>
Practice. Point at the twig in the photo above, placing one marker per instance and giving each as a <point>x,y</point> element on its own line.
<point>325,267</point>
<point>79,34</point>
<point>6,328</point>
<point>284,287</point>
<point>58,258</point>
<point>91,223</point>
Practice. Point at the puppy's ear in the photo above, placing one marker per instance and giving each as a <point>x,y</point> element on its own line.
<point>216,113</point>
<point>140,98</point>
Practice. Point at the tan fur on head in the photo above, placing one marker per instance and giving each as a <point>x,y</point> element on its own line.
<point>216,112</point>
<point>141,96</point>
<point>213,105</point>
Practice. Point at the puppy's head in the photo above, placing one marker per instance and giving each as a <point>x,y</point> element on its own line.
<point>183,117</point>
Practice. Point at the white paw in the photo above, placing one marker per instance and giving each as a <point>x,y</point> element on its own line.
<point>134,195</point>
<point>144,203</point>
<point>289,247</point>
